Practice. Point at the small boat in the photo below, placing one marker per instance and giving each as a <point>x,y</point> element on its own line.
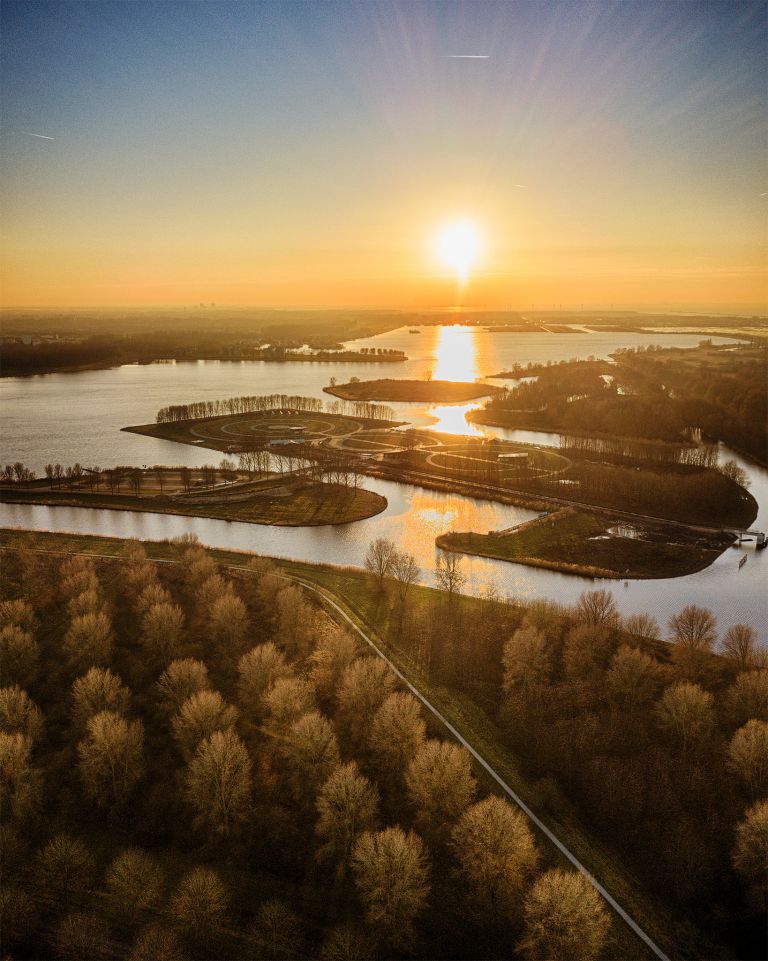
<point>414,331</point>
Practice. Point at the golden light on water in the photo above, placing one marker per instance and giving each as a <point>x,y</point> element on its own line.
<point>458,246</point>
<point>457,351</point>
<point>456,354</point>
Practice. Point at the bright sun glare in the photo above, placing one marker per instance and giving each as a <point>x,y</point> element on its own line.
<point>458,247</point>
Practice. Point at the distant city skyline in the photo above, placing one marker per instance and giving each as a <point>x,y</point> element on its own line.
<point>296,155</point>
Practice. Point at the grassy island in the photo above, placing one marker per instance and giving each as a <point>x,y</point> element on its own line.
<point>435,391</point>
<point>595,545</point>
<point>288,501</point>
<point>245,431</point>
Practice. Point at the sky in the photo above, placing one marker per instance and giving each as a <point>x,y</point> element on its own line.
<point>307,154</point>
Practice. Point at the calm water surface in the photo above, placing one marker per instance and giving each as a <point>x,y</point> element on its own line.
<point>78,416</point>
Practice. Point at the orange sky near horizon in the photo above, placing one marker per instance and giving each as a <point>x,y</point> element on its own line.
<point>290,155</point>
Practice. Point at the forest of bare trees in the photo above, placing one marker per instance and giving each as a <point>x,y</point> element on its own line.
<point>215,768</point>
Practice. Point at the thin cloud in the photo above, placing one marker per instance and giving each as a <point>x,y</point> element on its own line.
<point>41,136</point>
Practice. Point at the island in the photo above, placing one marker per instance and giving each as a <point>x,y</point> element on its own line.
<point>423,391</point>
<point>594,544</point>
<point>291,499</point>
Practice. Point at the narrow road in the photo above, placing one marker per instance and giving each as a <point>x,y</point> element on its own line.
<point>566,852</point>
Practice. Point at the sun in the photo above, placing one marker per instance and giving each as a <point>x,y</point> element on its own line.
<point>458,246</point>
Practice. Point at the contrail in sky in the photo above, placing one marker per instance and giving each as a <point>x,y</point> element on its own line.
<point>40,135</point>
<point>468,56</point>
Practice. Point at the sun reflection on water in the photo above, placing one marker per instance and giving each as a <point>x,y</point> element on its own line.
<point>456,354</point>
<point>451,419</point>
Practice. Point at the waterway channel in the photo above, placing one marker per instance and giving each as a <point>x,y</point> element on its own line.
<point>69,417</point>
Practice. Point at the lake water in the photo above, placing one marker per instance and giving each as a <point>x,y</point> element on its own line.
<point>68,417</point>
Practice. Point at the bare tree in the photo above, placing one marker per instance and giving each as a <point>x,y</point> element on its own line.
<point>597,608</point>
<point>310,752</point>
<point>497,856</point>
<point>440,786</point>
<point>138,578</point>
<point>156,943</point>
<point>391,871</point>
<point>748,756</point>
<point>750,854</point>
<point>347,805</point>
<point>89,602</point>
<point>364,686</point>
<point>151,595</point>
<point>448,573</point>
<point>348,942</point>
<point>406,573</point>
<point>19,655</point>
<point>19,914</point>
<point>19,714</point>
<point>694,627</point>
<point>135,882</point>
<point>111,758</point>
<point>218,782</point>
<point>180,680</point>
<point>96,691</point>
<point>295,621</point>
<point>380,558</point>
<point>732,471</point>
<point>199,905</point>
<point>82,935</point>
<point>686,712</point>
<point>20,782</point>
<point>335,651</point>
<point>286,701</point>
<point>228,622</point>
<point>88,642</point>
<point>748,697</point>
<point>19,613</point>
<point>162,626</point>
<point>398,731</point>
<point>64,866</point>
<point>78,583</point>
<point>641,628</point>
<point>634,679</point>
<point>258,670</point>
<point>277,933</point>
<point>740,644</point>
<point>198,717</point>
<point>564,918</point>
<point>527,660</point>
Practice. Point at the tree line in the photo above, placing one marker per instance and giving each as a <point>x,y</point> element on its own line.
<point>288,403</point>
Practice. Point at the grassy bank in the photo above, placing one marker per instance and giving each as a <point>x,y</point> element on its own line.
<point>436,391</point>
<point>593,545</point>
<point>292,505</point>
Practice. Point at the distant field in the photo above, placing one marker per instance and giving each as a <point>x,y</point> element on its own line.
<point>437,391</point>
